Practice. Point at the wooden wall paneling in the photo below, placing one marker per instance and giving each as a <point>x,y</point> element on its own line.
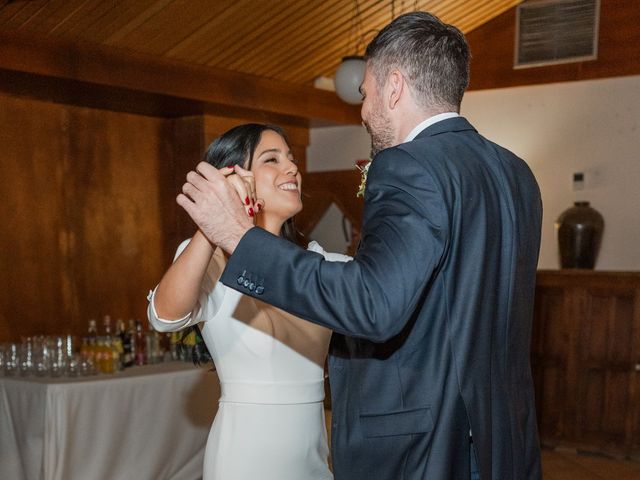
<point>82,235</point>
<point>573,326</point>
<point>186,143</point>
<point>605,358</point>
<point>493,44</point>
<point>112,187</point>
<point>593,320</point>
<point>94,234</point>
<point>35,242</point>
<point>549,359</point>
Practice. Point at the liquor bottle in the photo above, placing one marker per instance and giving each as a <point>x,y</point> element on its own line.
<point>88,355</point>
<point>174,348</point>
<point>99,355</point>
<point>151,347</point>
<point>92,333</point>
<point>107,327</point>
<point>111,354</point>
<point>91,346</point>
<point>132,335</point>
<point>165,346</point>
<point>141,347</point>
<point>125,338</point>
<point>154,342</point>
<point>116,354</point>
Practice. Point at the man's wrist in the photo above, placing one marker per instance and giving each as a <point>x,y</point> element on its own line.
<point>232,241</point>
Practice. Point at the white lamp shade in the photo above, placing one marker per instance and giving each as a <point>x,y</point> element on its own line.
<point>348,79</point>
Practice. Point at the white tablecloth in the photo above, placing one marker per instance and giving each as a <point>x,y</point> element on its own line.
<point>147,422</point>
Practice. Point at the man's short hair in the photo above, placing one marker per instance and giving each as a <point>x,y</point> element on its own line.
<point>433,56</point>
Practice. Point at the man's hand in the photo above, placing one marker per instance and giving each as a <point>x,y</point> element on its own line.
<point>216,206</point>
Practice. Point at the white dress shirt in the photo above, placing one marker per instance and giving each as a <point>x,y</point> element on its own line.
<point>427,123</point>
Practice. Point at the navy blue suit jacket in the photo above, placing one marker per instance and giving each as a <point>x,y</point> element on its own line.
<point>432,317</point>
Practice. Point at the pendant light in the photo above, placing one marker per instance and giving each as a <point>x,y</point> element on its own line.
<point>348,79</point>
<point>350,73</point>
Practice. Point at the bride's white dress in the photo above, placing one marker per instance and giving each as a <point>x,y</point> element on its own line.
<point>270,422</point>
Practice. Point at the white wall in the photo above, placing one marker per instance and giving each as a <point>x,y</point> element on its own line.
<point>337,148</point>
<point>559,129</point>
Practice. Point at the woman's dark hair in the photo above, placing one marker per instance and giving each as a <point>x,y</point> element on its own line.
<point>236,147</point>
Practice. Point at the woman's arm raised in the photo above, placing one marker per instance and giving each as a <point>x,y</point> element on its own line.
<point>180,287</point>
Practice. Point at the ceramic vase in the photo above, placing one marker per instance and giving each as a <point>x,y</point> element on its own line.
<point>579,231</point>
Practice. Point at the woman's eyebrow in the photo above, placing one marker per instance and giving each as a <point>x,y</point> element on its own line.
<point>270,150</point>
<point>274,150</point>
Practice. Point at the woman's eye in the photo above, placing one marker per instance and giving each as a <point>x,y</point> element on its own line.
<point>271,159</point>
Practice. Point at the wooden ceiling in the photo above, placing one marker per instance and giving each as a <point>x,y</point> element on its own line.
<point>292,41</point>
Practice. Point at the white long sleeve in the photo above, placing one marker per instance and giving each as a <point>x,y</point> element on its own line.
<point>209,300</point>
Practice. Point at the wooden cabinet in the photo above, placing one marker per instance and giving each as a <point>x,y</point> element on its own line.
<point>586,359</point>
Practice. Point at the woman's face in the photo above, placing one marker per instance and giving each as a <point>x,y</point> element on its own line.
<point>278,182</point>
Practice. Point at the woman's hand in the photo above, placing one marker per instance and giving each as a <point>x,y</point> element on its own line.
<point>214,200</point>
<point>244,184</point>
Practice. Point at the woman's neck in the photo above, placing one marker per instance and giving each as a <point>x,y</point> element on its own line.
<point>270,224</point>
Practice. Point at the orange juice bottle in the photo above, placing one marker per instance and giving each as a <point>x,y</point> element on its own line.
<point>107,356</point>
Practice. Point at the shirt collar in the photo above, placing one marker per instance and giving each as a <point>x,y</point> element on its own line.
<point>427,123</point>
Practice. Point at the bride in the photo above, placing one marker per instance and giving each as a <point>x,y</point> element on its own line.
<point>270,421</point>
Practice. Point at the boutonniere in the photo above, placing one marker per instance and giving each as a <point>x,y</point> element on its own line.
<point>363,166</point>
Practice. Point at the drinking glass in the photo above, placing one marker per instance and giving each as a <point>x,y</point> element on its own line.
<point>11,359</point>
<point>57,358</point>
<point>26,357</point>
<point>87,366</point>
<point>72,359</point>
<point>41,356</point>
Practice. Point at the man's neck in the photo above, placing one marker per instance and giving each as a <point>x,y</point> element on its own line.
<point>425,123</point>
<point>411,119</point>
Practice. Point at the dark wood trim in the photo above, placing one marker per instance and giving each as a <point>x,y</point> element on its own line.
<point>587,278</point>
<point>91,75</point>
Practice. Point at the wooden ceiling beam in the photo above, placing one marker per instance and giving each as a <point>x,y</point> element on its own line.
<point>103,69</point>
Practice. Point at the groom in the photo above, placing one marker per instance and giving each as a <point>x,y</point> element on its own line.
<point>429,366</point>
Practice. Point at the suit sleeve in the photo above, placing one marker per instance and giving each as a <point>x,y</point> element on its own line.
<point>373,296</point>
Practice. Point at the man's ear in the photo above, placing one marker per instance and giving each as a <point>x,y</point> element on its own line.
<point>396,86</point>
